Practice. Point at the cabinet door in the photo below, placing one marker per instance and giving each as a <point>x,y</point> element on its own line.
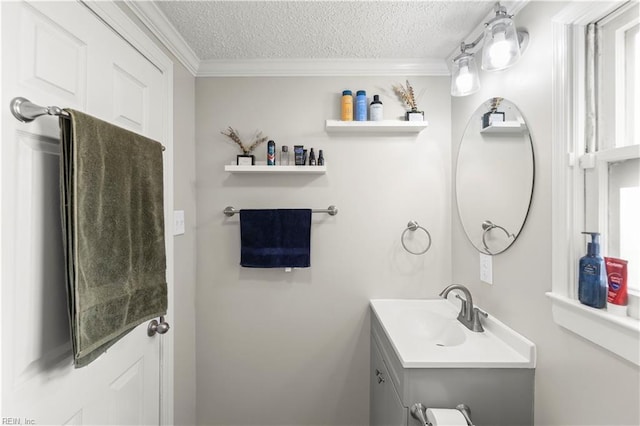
<point>385,406</point>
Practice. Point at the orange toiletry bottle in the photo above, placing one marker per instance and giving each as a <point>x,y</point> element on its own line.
<point>347,106</point>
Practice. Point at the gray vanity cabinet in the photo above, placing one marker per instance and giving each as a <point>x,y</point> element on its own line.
<point>386,408</point>
<point>496,396</point>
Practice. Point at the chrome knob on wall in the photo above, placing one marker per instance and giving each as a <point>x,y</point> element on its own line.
<point>158,327</point>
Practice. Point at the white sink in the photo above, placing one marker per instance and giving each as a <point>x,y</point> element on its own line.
<point>425,333</point>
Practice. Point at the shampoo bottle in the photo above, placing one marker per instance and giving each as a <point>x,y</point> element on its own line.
<point>375,110</point>
<point>592,281</point>
<point>361,105</point>
<point>346,106</point>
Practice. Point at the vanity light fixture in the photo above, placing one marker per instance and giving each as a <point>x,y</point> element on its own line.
<point>502,47</point>
<point>464,73</point>
<point>503,44</point>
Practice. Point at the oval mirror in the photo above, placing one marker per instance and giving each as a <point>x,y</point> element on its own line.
<point>494,176</point>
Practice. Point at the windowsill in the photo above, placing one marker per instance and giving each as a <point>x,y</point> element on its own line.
<point>620,335</point>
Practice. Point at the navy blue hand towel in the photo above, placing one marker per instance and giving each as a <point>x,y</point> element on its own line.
<point>275,238</point>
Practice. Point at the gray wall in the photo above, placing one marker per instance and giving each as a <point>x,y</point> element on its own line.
<point>277,348</point>
<point>184,198</point>
<point>577,382</point>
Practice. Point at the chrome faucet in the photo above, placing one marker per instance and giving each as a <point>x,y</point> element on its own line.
<point>469,315</point>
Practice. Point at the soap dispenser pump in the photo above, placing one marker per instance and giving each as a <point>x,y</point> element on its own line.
<point>592,281</point>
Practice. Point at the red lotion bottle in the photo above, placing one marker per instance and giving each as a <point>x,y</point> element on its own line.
<point>617,297</point>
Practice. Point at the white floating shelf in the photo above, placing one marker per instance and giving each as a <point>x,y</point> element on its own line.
<point>505,127</point>
<point>385,126</point>
<point>261,168</point>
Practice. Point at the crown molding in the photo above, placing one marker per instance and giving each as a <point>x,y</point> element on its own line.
<point>153,18</point>
<point>322,67</point>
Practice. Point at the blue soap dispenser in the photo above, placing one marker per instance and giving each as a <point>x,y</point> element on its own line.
<point>592,281</point>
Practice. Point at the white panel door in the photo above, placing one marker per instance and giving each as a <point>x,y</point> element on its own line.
<point>62,54</point>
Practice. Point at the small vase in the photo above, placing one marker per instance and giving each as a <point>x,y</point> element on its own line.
<point>488,118</point>
<point>415,115</point>
<point>245,160</point>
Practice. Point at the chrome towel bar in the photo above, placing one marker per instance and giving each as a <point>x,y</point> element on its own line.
<point>26,111</point>
<point>331,210</point>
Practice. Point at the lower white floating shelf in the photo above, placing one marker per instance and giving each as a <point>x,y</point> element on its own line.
<point>232,168</point>
<point>385,126</point>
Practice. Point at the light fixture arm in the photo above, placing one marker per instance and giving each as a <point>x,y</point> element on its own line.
<point>500,11</point>
<point>464,46</point>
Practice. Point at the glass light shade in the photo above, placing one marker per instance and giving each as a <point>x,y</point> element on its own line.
<point>464,76</point>
<point>501,48</point>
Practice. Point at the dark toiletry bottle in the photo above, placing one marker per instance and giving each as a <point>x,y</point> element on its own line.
<point>320,158</point>
<point>304,157</point>
<point>592,280</point>
<point>271,153</point>
<point>298,151</point>
<point>312,158</point>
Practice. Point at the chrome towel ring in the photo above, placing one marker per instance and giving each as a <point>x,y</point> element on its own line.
<point>487,226</point>
<point>413,226</point>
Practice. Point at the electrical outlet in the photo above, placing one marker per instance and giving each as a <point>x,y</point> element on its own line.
<point>486,268</point>
<point>178,222</point>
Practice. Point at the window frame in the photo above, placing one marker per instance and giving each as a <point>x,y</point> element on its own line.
<point>620,335</point>
<point>598,164</point>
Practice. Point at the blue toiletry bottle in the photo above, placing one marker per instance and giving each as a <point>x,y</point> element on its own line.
<point>592,281</point>
<point>361,105</point>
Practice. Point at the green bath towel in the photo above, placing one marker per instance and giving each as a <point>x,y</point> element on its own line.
<point>113,232</point>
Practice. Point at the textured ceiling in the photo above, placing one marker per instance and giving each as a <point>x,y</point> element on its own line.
<point>305,29</point>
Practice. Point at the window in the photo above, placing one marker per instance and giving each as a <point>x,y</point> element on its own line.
<point>612,172</point>
<point>596,162</point>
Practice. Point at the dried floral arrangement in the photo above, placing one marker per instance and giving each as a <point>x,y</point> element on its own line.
<point>406,95</point>
<point>494,103</point>
<point>232,134</point>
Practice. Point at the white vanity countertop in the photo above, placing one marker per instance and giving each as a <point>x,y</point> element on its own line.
<point>425,333</point>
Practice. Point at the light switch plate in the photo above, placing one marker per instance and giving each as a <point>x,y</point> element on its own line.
<point>486,268</point>
<point>178,222</point>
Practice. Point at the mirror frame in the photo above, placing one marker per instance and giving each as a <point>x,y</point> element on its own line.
<point>512,119</point>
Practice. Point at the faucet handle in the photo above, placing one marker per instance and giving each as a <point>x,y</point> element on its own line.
<point>481,312</point>
<point>477,324</point>
<point>465,305</point>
